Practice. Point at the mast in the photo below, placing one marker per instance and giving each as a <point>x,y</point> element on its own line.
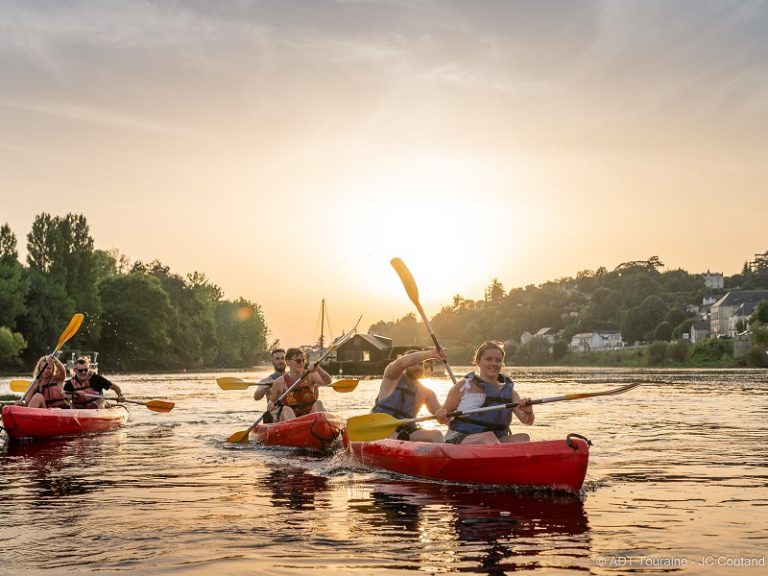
<point>322,324</point>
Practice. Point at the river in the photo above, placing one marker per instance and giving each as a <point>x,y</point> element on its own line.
<point>677,483</point>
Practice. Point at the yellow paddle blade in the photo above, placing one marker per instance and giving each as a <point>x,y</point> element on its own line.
<point>159,405</point>
<point>346,385</point>
<point>20,385</point>
<point>69,331</point>
<point>370,427</point>
<point>232,383</point>
<point>407,279</point>
<point>240,437</point>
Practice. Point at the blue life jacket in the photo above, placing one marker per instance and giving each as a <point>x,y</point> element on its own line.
<point>401,403</point>
<point>497,421</point>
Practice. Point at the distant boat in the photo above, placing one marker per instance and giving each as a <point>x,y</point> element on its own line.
<point>90,355</point>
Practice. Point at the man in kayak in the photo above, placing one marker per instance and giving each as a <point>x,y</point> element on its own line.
<point>402,395</point>
<point>304,397</point>
<point>278,363</point>
<point>85,384</point>
<point>487,386</point>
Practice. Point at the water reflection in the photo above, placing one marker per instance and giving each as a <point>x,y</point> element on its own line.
<point>294,488</point>
<point>495,530</point>
<point>51,469</point>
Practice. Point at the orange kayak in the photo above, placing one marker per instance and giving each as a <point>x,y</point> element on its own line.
<point>24,422</point>
<point>316,431</point>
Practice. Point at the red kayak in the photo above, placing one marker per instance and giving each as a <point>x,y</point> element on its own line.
<point>552,464</point>
<point>315,431</point>
<point>23,422</point>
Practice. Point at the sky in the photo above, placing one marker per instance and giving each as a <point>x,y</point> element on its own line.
<point>288,150</point>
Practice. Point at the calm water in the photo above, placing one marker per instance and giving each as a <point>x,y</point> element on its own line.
<point>677,483</point>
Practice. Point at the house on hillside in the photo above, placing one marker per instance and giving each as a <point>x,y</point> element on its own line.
<point>545,333</point>
<point>735,303</point>
<point>714,280</point>
<point>604,340</point>
<point>700,330</point>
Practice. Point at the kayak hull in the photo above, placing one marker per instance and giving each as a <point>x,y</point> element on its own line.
<point>552,464</point>
<point>316,431</point>
<point>23,422</point>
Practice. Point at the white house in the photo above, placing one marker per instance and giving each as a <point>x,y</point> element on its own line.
<point>714,280</point>
<point>730,305</point>
<point>545,333</point>
<point>604,340</point>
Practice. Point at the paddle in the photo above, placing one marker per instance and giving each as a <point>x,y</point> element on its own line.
<point>69,331</point>
<point>232,383</point>
<point>413,293</point>
<point>376,426</point>
<point>20,385</point>
<point>154,405</point>
<point>242,436</point>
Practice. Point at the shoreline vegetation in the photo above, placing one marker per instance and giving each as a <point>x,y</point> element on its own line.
<point>144,318</point>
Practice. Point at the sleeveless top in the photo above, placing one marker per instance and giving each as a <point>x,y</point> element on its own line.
<point>497,421</point>
<point>401,403</point>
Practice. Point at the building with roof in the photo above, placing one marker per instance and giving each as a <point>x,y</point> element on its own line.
<point>738,304</point>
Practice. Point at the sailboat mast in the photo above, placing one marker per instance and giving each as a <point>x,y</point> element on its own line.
<point>322,324</point>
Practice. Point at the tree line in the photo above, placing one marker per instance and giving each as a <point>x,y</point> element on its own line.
<point>647,305</point>
<point>139,316</point>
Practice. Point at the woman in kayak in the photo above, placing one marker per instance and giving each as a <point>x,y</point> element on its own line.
<point>303,398</point>
<point>47,391</point>
<point>487,386</point>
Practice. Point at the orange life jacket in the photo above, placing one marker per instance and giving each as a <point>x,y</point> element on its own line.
<point>85,387</point>
<point>54,398</point>
<point>301,398</point>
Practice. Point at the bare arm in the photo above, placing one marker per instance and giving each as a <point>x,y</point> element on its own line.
<point>523,413</point>
<point>451,402</point>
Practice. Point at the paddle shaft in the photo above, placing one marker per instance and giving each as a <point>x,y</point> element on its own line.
<point>243,436</point>
<point>409,283</point>
<point>510,405</point>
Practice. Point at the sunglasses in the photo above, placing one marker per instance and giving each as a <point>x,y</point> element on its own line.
<point>81,370</point>
<point>298,360</point>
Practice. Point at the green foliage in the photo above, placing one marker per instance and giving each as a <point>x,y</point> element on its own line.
<point>242,333</point>
<point>11,345</point>
<point>663,331</point>
<point>713,350</point>
<point>13,286</point>
<point>535,352</point>
<point>679,351</point>
<point>657,353</point>
<point>757,357</point>
<point>137,319</point>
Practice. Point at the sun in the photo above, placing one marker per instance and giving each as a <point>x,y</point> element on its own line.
<point>429,211</point>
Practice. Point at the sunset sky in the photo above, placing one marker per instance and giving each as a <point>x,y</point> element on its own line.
<point>290,149</point>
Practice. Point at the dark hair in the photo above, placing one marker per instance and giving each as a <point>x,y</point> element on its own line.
<point>276,351</point>
<point>495,344</point>
<point>82,361</point>
<point>291,353</point>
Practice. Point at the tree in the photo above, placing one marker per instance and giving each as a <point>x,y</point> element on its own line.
<point>663,332</point>
<point>61,250</point>
<point>137,318</point>
<point>13,286</point>
<point>11,345</point>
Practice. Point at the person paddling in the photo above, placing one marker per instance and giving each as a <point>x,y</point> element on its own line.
<point>304,398</point>
<point>47,389</point>
<point>86,382</point>
<point>402,394</point>
<point>485,387</point>
<point>278,363</point>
